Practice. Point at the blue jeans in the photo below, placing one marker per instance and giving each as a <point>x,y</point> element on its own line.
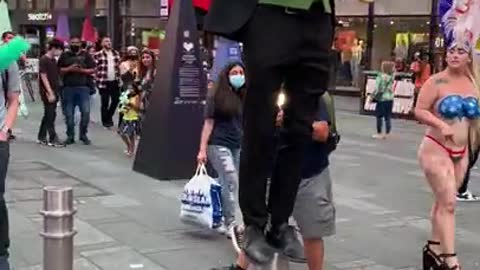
<point>384,111</point>
<point>73,97</point>
<point>4,265</point>
<point>226,162</point>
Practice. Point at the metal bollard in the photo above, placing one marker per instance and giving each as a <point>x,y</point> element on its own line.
<point>279,262</point>
<point>58,232</point>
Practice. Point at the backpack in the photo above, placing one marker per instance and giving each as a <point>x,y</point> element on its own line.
<point>334,137</point>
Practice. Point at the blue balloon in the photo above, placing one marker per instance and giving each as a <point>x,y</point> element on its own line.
<point>471,108</point>
<point>451,107</point>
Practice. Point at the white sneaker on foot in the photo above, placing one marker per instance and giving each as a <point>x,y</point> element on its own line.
<point>467,197</point>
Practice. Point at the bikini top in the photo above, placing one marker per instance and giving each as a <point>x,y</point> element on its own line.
<point>456,106</point>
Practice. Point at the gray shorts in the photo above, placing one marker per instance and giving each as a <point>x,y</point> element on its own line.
<point>314,211</point>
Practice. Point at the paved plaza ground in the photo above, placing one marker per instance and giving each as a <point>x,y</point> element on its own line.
<point>129,221</point>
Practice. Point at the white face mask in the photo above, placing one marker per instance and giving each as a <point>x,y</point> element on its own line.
<point>57,53</point>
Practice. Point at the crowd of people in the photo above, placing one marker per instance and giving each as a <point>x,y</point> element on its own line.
<point>73,75</point>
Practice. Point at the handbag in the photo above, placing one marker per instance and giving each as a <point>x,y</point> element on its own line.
<point>201,203</point>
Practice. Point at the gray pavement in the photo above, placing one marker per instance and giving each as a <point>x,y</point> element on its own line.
<point>129,221</point>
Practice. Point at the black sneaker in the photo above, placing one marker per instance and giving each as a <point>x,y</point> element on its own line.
<point>467,197</point>
<point>231,267</point>
<point>56,143</point>
<point>42,142</point>
<point>69,141</point>
<point>85,140</point>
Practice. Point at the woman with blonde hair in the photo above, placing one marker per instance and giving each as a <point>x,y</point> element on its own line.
<point>448,105</point>
<point>383,96</point>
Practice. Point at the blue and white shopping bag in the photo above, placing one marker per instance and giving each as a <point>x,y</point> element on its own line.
<point>201,202</point>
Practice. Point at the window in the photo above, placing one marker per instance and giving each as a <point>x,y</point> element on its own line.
<point>79,4</point>
<point>12,4</point>
<point>26,4</point>
<point>61,4</point>
<point>43,5</point>
<point>399,37</point>
<point>101,4</point>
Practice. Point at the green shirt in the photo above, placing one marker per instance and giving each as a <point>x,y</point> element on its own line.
<point>298,4</point>
<point>384,84</point>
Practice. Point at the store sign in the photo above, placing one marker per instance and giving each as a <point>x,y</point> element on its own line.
<point>39,16</point>
<point>164,8</point>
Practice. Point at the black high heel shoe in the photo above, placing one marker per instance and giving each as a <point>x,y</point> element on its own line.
<point>445,266</point>
<point>431,261</point>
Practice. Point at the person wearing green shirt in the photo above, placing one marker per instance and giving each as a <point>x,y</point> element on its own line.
<point>285,41</point>
<point>383,94</point>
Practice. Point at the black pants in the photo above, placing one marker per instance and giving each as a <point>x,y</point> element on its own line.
<point>280,47</point>
<point>48,121</point>
<point>110,97</point>
<point>4,238</point>
<point>383,111</point>
<point>473,157</point>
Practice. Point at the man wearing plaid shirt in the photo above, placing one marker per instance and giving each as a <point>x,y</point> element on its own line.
<point>107,75</point>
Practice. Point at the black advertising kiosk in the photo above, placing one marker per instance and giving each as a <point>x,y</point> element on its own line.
<point>173,123</point>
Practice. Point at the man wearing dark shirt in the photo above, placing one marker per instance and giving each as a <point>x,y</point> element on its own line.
<point>285,41</point>
<point>314,211</point>
<point>76,66</point>
<point>49,78</point>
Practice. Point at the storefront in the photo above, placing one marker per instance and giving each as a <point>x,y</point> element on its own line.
<point>38,20</point>
<point>144,22</point>
<point>368,34</point>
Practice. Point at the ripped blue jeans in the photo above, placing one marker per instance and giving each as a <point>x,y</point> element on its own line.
<point>226,162</point>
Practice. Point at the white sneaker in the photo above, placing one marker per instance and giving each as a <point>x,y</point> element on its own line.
<point>222,229</point>
<point>467,197</point>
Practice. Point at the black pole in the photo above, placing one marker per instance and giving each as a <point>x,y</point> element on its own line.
<point>433,32</point>
<point>114,22</point>
<point>370,35</point>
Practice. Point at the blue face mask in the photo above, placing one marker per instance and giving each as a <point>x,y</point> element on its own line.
<point>237,81</point>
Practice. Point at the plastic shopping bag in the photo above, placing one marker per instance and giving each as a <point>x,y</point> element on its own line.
<point>201,203</point>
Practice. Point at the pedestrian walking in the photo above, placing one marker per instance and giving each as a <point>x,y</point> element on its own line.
<point>221,137</point>
<point>314,209</point>
<point>107,75</point>
<point>9,104</point>
<point>464,194</point>
<point>447,104</point>
<point>383,96</point>
<point>49,93</point>
<point>76,67</point>
<point>285,41</point>
<point>23,109</point>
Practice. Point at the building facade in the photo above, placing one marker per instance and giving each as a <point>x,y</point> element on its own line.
<point>368,34</point>
<point>38,20</point>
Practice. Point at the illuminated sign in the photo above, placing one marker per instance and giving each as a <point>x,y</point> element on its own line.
<point>39,16</point>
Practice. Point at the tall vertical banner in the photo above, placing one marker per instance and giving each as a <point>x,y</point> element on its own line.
<point>172,126</point>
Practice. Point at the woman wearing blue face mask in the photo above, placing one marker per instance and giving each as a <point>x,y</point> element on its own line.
<point>221,136</point>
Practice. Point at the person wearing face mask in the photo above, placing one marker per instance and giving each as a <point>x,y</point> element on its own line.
<point>76,66</point>
<point>49,79</point>
<point>221,136</point>
<point>129,67</point>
